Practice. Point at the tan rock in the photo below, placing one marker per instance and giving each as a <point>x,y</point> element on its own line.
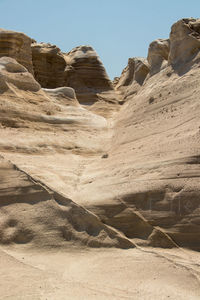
<point>16,45</point>
<point>11,72</point>
<point>184,41</point>
<point>132,76</point>
<point>54,221</point>
<point>134,167</point>
<point>86,74</point>
<point>158,55</point>
<point>49,65</point>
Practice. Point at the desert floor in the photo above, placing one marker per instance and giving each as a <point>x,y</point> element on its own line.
<point>140,273</point>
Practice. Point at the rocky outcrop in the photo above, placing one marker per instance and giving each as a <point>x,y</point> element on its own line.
<point>158,55</point>
<point>132,76</point>
<point>80,69</point>
<point>86,74</point>
<point>11,72</point>
<point>65,91</point>
<point>133,167</point>
<point>49,65</point>
<point>16,45</point>
<point>184,41</point>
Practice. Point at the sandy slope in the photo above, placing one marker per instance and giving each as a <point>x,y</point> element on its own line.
<point>99,274</point>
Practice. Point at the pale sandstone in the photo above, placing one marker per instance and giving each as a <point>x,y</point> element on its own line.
<point>158,55</point>
<point>11,72</point>
<point>104,175</point>
<point>133,76</point>
<point>184,41</point>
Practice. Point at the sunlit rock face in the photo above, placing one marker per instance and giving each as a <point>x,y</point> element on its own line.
<point>14,74</point>
<point>158,55</point>
<point>102,174</point>
<point>16,45</point>
<point>132,77</point>
<point>184,41</point>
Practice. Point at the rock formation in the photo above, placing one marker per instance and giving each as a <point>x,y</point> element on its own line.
<point>158,55</point>
<point>132,76</point>
<point>14,73</point>
<point>16,45</point>
<point>184,41</point>
<point>84,173</point>
<point>49,65</point>
<point>80,69</point>
<point>66,91</point>
<point>86,74</point>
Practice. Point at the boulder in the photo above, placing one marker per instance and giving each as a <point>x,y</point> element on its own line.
<point>66,91</point>
<point>11,72</point>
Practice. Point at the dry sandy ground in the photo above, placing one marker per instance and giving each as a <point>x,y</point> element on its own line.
<point>141,273</point>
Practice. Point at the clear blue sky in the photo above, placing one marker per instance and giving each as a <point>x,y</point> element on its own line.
<point>117,29</point>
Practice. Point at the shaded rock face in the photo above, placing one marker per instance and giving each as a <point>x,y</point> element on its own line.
<point>16,45</point>
<point>86,74</point>
<point>67,224</point>
<point>132,76</point>
<point>11,72</point>
<point>158,55</point>
<point>184,41</point>
<point>49,65</point>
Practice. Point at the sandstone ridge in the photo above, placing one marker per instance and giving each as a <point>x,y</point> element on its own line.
<point>79,169</point>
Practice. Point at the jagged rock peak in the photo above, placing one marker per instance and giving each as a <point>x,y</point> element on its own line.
<point>86,73</point>
<point>184,41</point>
<point>18,46</point>
<point>158,53</point>
<point>136,70</point>
<point>132,77</point>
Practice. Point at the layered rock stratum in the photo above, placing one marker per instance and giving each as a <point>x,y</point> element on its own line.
<point>87,163</point>
<point>16,45</point>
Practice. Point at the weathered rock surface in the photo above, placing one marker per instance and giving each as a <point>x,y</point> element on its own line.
<point>11,72</point>
<point>46,218</point>
<point>132,76</point>
<point>16,45</point>
<point>184,41</point>
<point>49,65</point>
<point>66,91</point>
<point>133,167</point>
<point>80,69</point>
<point>158,55</point>
<point>86,74</point>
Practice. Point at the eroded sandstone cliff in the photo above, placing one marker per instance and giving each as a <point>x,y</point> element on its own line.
<point>132,167</point>
<point>48,65</point>
<point>16,45</point>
